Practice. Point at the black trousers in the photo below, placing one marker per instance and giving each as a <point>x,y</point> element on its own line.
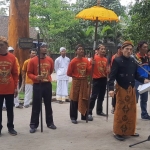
<point>74,111</point>
<point>10,113</point>
<point>45,92</point>
<point>114,101</point>
<point>98,92</point>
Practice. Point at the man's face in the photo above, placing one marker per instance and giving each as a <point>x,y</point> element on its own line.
<point>119,51</point>
<point>127,51</point>
<point>33,53</point>
<point>80,51</point>
<point>63,53</point>
<point>144,48</point>
<point>102,50</point>
<point>11,51</point>
<point>148,54</point>
<point>96,52</point>
<point>3,47</point>
<point>43,49</point>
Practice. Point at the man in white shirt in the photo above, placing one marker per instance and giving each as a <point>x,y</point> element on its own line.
<point>61,66</point>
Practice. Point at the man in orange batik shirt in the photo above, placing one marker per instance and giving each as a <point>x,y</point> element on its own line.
<point>8,84</point>
<point>28,82</point>
<point>99,82</point>
<point>43,90</point>
<point>79,68</point>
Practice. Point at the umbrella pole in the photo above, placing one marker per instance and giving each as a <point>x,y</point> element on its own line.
<point>95,37</point>
<point>39,70</point>
<point>91,75</point>
<point>107,99</point>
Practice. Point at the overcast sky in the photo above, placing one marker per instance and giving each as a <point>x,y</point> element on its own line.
<point>123,2</point>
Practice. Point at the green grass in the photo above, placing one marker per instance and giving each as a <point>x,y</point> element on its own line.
<point>54,85</point>
<point>21,95</point>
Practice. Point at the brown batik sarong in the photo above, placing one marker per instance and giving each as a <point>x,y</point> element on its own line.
<point>125,111</point>
<point>79,92</point>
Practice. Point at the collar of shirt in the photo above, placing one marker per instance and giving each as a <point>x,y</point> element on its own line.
<point>139,55</point>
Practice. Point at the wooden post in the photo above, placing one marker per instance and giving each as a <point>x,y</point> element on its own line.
<point>19,27</point>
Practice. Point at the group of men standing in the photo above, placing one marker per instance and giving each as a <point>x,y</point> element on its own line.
<point>37,78</point>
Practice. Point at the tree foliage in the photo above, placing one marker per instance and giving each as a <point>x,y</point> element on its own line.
<point>53,18</point>
<point>138,25</point>
<point>4,7</point>
<point>58,26</point>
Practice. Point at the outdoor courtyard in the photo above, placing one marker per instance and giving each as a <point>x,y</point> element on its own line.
<point>96,135</point>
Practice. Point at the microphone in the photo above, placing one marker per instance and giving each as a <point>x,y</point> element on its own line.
<point>139,64</point>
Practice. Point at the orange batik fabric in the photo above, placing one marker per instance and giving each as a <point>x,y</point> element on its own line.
<point>79,92</point>
<point>125,111</point>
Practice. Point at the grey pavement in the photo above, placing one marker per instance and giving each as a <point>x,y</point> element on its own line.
<point>96,135</point>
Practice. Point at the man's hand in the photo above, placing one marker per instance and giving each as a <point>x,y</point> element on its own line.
<point>108,70</point>
<point>39,77</point>
<point>92,61</point>
<point>146,81</point>
<point>111,93</point>
<point>15,93</point>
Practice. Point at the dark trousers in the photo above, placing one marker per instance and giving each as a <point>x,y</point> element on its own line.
<point>44,91</point>
<point>74,111</point>
<point>10,113</point>
<point>114,101</point>
<point>143,100</point>
<point>98,92</point>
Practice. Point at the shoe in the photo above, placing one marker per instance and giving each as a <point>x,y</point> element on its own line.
<point>67,100</point>
<point>4,109</point>
<point>19,106</point>
<point>147,117</point>
<point>32,130</point>
<point>52,126</point>
<point>74,121</point>
<point>53,100</point>
<point>119,137</point>
<point>136,135</point>
<point>101,114</point>
<point>113,110</point>
<point>12,132</point>
<point>27,106</point>
<point>61,102</point>
<point>90,118</point>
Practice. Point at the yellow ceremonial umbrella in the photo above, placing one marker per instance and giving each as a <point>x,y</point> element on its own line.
<point>97,13</point>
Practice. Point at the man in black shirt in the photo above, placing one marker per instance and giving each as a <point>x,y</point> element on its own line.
<point>124,71</point>
<point>143,69</point>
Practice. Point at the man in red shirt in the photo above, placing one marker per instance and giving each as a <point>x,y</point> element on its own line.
<point>8,84</point>
<point>45,89</point>
<point>99,82</point>
<point>79,68</point>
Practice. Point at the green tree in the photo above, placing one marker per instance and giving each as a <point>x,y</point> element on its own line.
<point>138,26</point>
<point>4,7</point>
<point>58,26</point>
<point>53,18</point>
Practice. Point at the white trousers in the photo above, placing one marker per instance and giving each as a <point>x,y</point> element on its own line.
<point>62,90</point>
<point>28,94</point>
